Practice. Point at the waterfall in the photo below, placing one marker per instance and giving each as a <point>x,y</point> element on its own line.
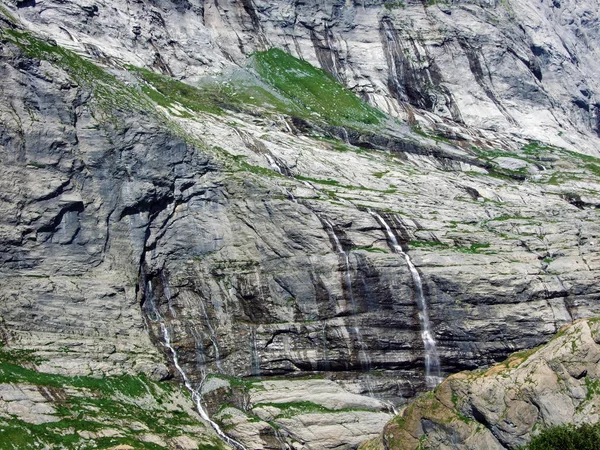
<point>432,361</point>
<point>212,336</point>
<point>196,397</point>
<point>363,355</point>
<point>255,358</point>
<point>273,164</point>
<point>195,393</point>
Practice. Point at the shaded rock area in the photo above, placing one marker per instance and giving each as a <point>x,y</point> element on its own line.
<point>224,232</point>
<point>504,406</point>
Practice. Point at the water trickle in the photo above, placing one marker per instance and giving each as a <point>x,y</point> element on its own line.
<point>212,336</point>
<point>432,361</point>
<point>196,396</point>
<point>363,354</point>
<point>274,164</point>
<point>326,362</point>
<point>167,291</point>
<point>255,358</point>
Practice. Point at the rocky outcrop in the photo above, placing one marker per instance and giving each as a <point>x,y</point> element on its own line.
<point>504,406</point>
<point>237,217</point>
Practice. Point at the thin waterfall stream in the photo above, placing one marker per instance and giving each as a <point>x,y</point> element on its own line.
<point>363,354</point>
<point>196,396</point>
<point>432,361</point>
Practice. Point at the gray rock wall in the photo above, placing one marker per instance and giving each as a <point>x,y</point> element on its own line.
<point>483,70</point>
<point>252,241</point>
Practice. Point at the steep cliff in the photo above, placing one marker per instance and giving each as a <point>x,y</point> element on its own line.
<point>300,258</point>
<point>502,407</point>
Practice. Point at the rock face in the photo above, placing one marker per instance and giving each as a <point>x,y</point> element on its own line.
<point>482,70</point>
<point>242,219</point>
<point>502,407</point>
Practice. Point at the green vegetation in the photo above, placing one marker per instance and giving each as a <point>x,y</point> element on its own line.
<point>7,14</point>
<point>380,174</point>
<point>284,85</point>
<point>369,249</point>
<point>593,388</point>
<point>536,148</point>
<point>211,95</point>
<point>436,137</point>
<point>331,182</point>
<point>473,248</point>
<point>583,161</point>
<point>567,437</point>
<point>168,92</point>
<point>316,93</point>
<point>128,406</point>
<point>504,217</point>
<point>394,5</point>
<point>110,94</point>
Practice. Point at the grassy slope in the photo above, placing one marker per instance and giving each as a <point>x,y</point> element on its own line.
<point>98,412</point>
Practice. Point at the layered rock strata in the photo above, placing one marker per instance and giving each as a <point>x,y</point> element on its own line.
<point>241,220</point>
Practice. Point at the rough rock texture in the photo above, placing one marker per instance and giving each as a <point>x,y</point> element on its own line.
<point>485,70</point>
<point>502,407</point>
<point>245,233</point>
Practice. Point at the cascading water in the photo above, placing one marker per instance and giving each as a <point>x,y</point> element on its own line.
<point>255,358</point>
<point>196,397</point>
<point>363,355</point>
<point>432,361</point>
<point>274,164</point>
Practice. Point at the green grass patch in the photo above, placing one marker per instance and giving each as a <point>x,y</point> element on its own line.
<point>328,182</point>
<point>93,404</point>
<point>505,217</point>
<point>536,148</point>
<point>593,388</point>
<point>259,170</point>
<point>594,168</point>
<point>8,15</point>
<point>418,130</point>
<point>435,244</point>
<point>390,5</point>
<point>292,409</point>
<point>369,249</point>
<point>210,95</point>
<point>473,248</point>
<point>318,94</point>
<point>109,93</point>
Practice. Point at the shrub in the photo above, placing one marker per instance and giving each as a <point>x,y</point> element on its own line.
<point>567,437</point>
